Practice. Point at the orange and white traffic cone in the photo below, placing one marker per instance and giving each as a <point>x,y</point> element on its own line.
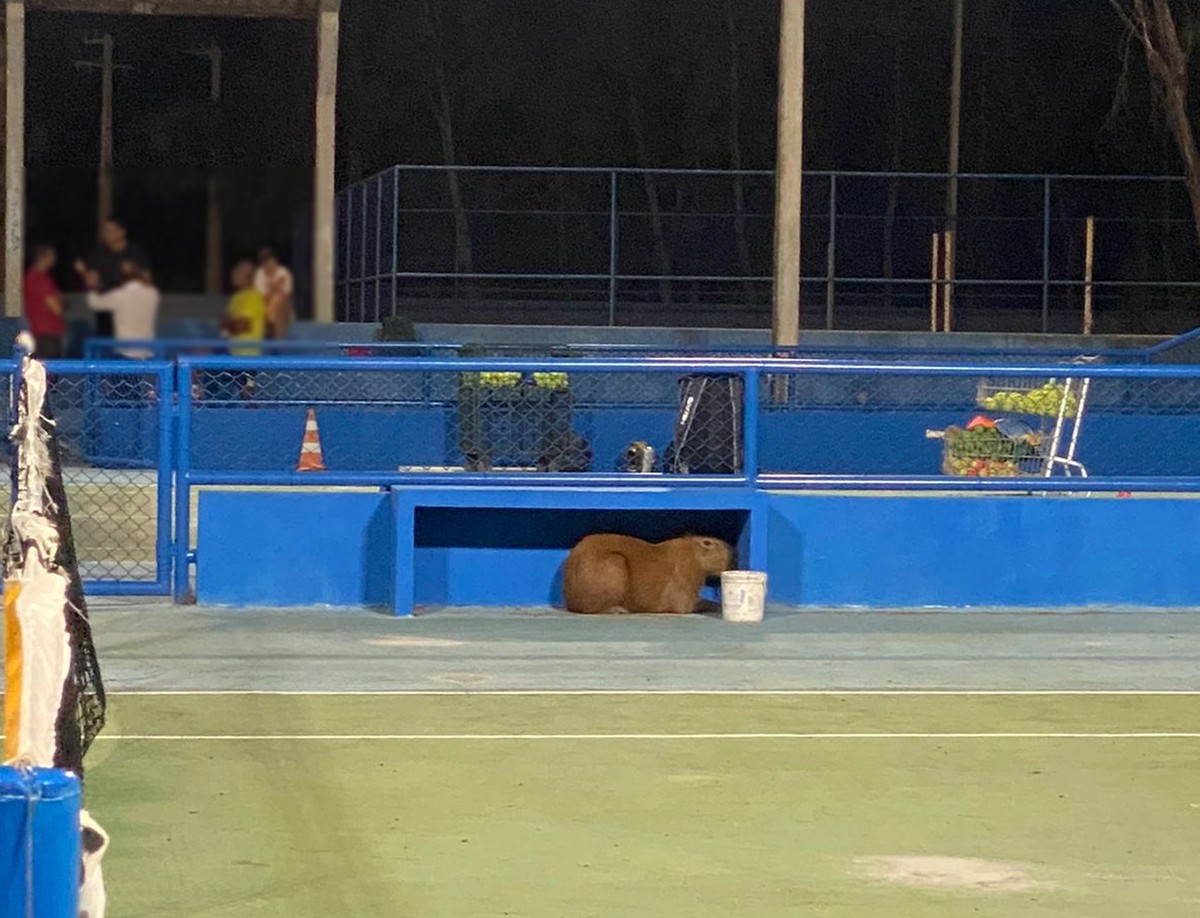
<point>311,458</point>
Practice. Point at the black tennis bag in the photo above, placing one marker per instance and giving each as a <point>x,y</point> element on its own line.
<point>708,431</point>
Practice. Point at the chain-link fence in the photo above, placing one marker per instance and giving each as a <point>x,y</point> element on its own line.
<point>467,416</point>
<point>765,423</point>
<point>1102,421</point>
<point>586,420</point>
<point>113,425</point>
<point>692,248</point>
<point>677,417</point>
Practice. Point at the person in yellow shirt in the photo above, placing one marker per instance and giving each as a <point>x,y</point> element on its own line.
<point>245,319</point>
<point>246,314</point>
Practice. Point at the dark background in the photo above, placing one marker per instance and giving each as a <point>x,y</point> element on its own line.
<point>541,82</point>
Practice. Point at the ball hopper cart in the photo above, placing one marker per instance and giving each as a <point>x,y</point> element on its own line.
<point>1035,433</point>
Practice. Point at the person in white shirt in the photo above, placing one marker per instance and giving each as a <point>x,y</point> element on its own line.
<point>134,308</point>
<point>274,282</point>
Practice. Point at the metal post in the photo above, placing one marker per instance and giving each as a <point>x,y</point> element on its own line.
<point>183,490</point>
<point>831,255</point>
<point>362,259</point>
<point>750,431</point>
<point>378,241</point>
<point>163,537</point>
<point>614,246</point>
<point>1045,255</point>
<point>395,235</point>
<point>14,162</point>
<point>789,174</point>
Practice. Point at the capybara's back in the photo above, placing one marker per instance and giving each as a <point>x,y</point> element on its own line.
<point>615,573</point>
<point>596,573</point>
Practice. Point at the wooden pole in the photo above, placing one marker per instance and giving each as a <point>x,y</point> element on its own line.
<point>105,184</point>
<point>948,280</point>
<point>789,174</point>
<point>1089,263</point>
<point>325,159</point>
<point>104,171</point>
<point>213,242</point>
<point>935,275</point>
<point>14,159</point>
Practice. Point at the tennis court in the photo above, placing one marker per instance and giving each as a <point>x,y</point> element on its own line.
<point>530,763</point>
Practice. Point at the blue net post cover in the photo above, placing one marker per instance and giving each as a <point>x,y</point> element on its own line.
<point>40,858</point>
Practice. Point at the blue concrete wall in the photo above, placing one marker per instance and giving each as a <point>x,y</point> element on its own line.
<point>1037,552</point>
<point>294,549</point>
<point>305,548</point>
<point>337,548</point>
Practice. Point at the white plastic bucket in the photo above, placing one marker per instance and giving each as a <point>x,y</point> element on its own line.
<point>743,596</point>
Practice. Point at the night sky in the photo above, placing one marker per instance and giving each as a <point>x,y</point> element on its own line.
<point>546,82</point>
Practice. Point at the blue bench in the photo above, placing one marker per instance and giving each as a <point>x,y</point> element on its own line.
<point>504,545</point>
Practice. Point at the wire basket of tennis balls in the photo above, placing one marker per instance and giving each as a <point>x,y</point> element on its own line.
<point>493,380</point>
<point>490,379</point>
<point>983,450</point>
<point>1039,397</point>
<point>510,380</point>
<point>557,381</point>
<point>507,379</point>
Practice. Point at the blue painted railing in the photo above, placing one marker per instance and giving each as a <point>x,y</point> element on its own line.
<point>178,348</point>
<point>104,456</point>
<point>759,376</point>
<point>156,424</point>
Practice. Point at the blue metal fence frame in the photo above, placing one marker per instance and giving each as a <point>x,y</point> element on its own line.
<point>196,348</point>
<point>752,370</point>
<point>175,477</point>
<point>164,375</point>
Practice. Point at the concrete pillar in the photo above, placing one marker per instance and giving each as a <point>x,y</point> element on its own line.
<point>325,159</point>
<point>789,173</point>
<point>14,158</point>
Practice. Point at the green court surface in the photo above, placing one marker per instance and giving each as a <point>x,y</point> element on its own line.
<point>546,805</point>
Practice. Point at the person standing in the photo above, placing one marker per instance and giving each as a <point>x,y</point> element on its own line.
<point>44,305</point>
<point>106,262</point>
<point>133,307</point>
<point>274,281</point>
<point>245,320</point>
<point>246,313</point>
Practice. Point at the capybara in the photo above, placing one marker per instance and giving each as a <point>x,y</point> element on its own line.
<point>621,574</point>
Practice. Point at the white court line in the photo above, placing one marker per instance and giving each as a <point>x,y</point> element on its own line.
<point>888,693</point>
<point>493,737</point>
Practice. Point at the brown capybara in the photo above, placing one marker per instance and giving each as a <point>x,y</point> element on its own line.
<point>621,574</point>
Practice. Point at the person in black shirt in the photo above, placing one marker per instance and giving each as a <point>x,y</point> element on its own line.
<point>104,265</point>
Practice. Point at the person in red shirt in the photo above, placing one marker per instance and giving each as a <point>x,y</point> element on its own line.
<point>44,305</point>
